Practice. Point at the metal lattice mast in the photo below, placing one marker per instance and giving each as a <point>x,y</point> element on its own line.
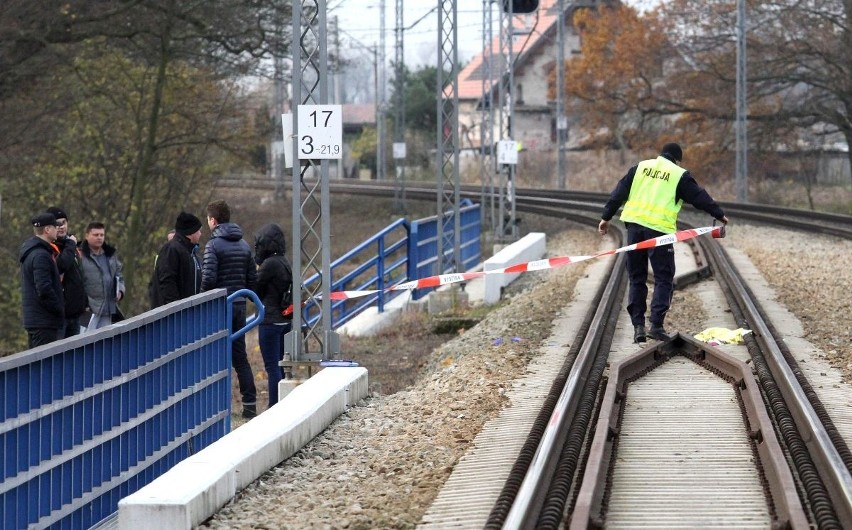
<point>506,223</point>
<point>561,119</point>
<point>742,110</point>
<point>487,158</point>
<point>310,200</point>
<point>399,116</point>
<point>449,244</point>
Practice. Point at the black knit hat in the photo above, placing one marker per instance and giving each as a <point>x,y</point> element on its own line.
<point>187,224</point>
<point>672,151</point>
<point>57,212</point>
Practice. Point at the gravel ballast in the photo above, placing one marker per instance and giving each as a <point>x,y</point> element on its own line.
<point>381,464</point>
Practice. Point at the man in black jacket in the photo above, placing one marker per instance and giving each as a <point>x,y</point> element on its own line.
<point>70,275</point>
<point>41,290</point>
<point>228,263</point>
<point>177,271</point>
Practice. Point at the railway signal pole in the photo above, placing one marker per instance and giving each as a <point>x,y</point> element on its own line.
<point>506,223</point>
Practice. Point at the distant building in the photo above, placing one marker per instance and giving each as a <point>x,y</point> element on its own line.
<point>535,51</point>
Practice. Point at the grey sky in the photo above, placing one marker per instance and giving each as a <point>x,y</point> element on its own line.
<point>360,23</point>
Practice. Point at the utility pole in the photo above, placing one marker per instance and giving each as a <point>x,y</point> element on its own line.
<point>276,154</point>
<point>380,96</point>
<point>561,118</point>
<point>399,150</point>
<point>336,71</point>
<point>742,109</point>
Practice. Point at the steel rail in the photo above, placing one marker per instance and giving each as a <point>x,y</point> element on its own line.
<point>832,469</point>
<point>525,508</point>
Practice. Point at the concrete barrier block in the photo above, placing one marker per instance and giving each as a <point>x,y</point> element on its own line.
<point>529,248</point>
<point>196,488</point>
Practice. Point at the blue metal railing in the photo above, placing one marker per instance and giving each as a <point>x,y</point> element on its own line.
<point>423,251</point>
<point>90,419</point>
<point>400,252</point>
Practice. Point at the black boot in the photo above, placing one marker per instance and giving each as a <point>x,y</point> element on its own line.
<point>249,411</point>
<point>639,334</point>
<point>658,333</point>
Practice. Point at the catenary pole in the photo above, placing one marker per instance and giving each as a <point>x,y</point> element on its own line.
<point>742,108</point>
<point>310,197</point>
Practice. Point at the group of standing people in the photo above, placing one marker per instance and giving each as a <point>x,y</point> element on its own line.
<point>228,263</point>
<point>63,278</point>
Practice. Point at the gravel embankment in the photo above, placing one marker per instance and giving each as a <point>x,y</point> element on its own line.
<point>381,464</point>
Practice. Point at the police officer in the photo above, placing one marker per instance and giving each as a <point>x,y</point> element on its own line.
<point>652,193</point>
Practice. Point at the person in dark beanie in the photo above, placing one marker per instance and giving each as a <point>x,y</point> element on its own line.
<point>652,193</point>
<point>41,290</point>
<point>177,270</point>
<point>70,275</point>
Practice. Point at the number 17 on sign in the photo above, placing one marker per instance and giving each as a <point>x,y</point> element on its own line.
<point>320,132</point>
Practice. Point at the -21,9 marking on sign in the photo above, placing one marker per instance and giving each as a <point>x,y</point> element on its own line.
<point>320,132</point>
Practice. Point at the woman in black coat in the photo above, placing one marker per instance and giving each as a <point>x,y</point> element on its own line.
<point>274,283</point>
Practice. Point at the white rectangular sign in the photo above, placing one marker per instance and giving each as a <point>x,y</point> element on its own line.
<point>320,132</point>
<point>287,125</point>
<point>399,149</point>
<point>507,152</point>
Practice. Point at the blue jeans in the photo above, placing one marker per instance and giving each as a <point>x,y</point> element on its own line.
<point>271,339</point>
<point>239,358</point>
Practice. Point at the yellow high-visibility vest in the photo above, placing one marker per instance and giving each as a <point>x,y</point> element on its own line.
<point>651,202</point>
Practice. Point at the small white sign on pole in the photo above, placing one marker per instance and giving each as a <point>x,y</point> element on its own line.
<point>287,125</point>
<point>399,149</point>
<point>507,152</point>
<point>320,132</point>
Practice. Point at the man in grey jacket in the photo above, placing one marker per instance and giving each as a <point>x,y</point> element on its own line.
<point>228,264</point>
<point>103,276</point>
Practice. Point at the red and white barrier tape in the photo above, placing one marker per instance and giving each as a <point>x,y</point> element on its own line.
<point>538,265</point>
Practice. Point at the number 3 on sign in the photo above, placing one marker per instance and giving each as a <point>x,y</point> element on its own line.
<point>320,129</point>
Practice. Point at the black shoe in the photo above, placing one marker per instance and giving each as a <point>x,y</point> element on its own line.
<point>639,334</point>
<point>249,411</point>
<point>658,333</point>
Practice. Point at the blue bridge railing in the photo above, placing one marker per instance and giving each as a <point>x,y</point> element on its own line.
<point>400,252</point>
<point>91,419</point>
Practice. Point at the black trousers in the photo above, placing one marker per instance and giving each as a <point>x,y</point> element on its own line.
<point>239,358</point>
<point>72,327</point>
<point>42,336</point>
<point>662,261</point>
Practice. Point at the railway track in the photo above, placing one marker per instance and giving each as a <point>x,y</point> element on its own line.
<point>678,431</point>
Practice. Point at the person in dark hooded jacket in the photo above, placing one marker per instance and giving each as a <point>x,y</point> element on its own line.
<point>228,264</point>
<point>274,282</point>
<point>41,290</point>
<point>177,271</point>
